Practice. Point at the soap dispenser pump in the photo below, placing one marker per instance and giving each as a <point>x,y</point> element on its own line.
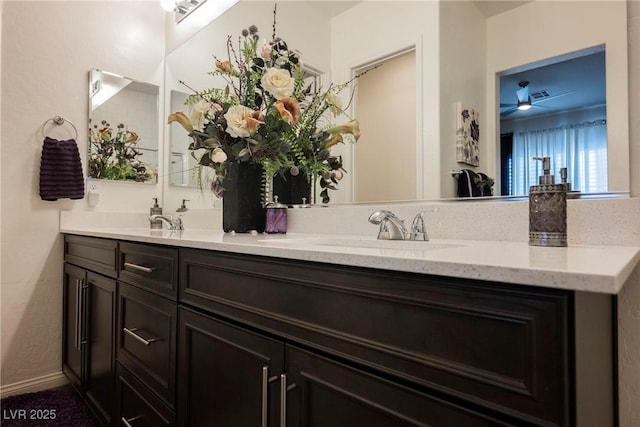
<point>155,210</point>
<point>547,210</point>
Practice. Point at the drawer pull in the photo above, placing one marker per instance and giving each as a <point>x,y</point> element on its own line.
<point>78,314</point>
<point>265,379</point>
<point>132,333</point>
<point>141,268</point>
<point>127,422</point>
<point>283,400</point>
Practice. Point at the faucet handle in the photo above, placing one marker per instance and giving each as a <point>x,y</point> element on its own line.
<point>177,223</point>
<point>418,230</point>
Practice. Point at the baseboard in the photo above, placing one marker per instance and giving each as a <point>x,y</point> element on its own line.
<point>44,382</point>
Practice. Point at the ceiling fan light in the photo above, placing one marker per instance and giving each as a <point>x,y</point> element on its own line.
<point>524,105</point>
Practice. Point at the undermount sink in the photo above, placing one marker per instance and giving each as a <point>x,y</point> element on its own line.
<point>372,243</point>
<point>388,244</point>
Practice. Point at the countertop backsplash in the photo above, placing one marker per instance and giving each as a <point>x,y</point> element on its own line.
<point>591,221</point>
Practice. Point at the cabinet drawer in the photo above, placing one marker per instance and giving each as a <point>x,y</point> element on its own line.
<point>137,406</point>
<point>99,255</point>
<point>152,267</point>
<point>498,346</point>
<point>147,339</point>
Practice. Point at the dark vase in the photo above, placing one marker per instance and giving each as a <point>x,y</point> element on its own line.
<point>292,189</point>
<point>242,209</point>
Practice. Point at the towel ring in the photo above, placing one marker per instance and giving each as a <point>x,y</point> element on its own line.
<point>59,121</point>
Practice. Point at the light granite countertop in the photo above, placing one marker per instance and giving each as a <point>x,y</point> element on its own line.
<point>602,269</point>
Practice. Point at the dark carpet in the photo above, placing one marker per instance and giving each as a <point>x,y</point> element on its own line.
<point>57,407</point>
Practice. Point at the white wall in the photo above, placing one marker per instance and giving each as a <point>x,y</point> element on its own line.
<point>48,48</point>
<point>462,76</point>
<point>539,30</point>
<point>450,49</point>
<point>393,27</point>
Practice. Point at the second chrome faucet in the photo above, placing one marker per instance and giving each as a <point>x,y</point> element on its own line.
<point>172,223</point>
<point>393,228</point>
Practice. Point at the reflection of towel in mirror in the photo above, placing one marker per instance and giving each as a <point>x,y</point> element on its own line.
<point>484,189</point>
<point>61,174</point>
<point>467,184</point>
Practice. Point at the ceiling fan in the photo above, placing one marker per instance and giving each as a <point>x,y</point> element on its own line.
<point>524,100</point>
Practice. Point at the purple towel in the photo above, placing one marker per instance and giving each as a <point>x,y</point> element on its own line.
<point>61,174</point>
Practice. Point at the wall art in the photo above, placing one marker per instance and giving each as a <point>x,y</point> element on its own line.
<point>467,135</point>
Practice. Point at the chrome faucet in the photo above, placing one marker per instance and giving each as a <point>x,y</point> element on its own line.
<point>172,223</point>
<point>393,228</point>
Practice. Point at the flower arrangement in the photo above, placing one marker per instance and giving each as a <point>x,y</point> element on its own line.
<point>113,154</point>
<point>266,114</point>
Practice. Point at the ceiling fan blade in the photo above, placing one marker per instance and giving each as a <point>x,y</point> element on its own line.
<point>508,112</point>
<point>549,98</point>
<point>523,94</point>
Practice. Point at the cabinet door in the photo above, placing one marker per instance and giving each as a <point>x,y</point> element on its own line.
<point>323,393</point>
<point>100,300</point>
<point>72,324</point>
<point>227,376</point>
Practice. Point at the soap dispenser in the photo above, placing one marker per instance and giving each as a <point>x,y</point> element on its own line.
<point>155,210</point>
<point>571,194</point>
<point>547,210</point>
<point>276,217</point>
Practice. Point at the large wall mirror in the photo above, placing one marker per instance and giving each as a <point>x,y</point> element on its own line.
<point>545,115</point>
<point>123,128</point>
<point>459,51</point>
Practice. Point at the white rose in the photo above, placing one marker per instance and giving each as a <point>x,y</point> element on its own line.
<point>242,121</point>
<point>199,114</point>
<point>218,155</point>
<point>278,82</point>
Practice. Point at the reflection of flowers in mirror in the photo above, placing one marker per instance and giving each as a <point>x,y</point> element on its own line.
<point>114,154</point>
<point>484,184</point>
<point>266,114</point>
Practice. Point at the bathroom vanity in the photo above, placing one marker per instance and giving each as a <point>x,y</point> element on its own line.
<point>241,330</point>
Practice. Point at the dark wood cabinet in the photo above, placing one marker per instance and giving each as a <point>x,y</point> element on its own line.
<point>162,336</point>
<point>88,346</point>
<point>147,339</point>
<point>234,377</point>
<point>146,334</point>
<point>228,376</point>
<point>502,348</point>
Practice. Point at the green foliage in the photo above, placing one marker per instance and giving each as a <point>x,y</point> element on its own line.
<point>266,113</point>
<point>113,155</point>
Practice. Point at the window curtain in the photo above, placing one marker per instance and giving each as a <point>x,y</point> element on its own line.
<point>581,148</point>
